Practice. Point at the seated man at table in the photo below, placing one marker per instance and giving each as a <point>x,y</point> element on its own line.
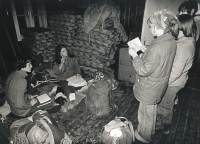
<point>21,103</point>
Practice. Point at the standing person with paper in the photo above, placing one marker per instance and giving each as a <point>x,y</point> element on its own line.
<point>153,70</point>
<point>65,66</point>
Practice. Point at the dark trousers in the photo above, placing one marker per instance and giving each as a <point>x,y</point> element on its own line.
<point>67,89</point>
<point>165,107</point>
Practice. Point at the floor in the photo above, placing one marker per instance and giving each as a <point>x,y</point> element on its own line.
<point>83,127</point>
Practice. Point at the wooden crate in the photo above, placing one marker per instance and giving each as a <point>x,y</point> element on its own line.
<point>126,71</point>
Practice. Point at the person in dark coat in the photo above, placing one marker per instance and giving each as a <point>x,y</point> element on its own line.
<point>153,70</point>
<point>65,66</point>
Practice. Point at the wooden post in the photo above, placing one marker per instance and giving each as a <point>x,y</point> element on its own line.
<point>28,24</point>
<point>19,38</point>
<point>3,63</point>
<point>30,13</point>
<point>42,13</point>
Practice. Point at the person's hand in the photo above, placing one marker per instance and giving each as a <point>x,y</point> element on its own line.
<point>143,48</point>
<point>33,72</point>
<point>63,60</point>
<point>132,52</point>
<point>32,96</point>
<point>33,101</point>
<point>78,76</point>
<point>140,55</point>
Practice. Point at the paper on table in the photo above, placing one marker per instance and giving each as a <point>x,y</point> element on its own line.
<point>72,96</point>
<point>76,81</point>
<point>43,98</point>
<point>135,43</point>
<point>44,104</point>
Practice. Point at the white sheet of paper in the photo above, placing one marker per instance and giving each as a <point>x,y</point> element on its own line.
<point>72,96</point>
<point>135,43</point>
<point>43,98</point>
<point>76,81</point>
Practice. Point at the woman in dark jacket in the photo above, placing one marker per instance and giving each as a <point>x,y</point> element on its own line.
<point>153,70</point>
<point>65,66</point>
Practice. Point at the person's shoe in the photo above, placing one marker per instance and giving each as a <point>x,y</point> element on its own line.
<point>138,142</point>
<point>175,107</point>
<point>163,129</point>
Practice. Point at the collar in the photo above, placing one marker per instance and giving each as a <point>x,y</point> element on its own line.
<point>165,37</point>
<point>22,73</point>
<point>183,39</point>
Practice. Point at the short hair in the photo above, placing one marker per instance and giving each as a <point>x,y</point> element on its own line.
<point>188,25</point>
<point>57,53</point>
<point>188,6</point>
<point>169,24</point>
<point>21,61</point>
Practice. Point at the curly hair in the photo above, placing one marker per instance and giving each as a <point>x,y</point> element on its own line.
<point>21,61</point>
<point>57,53</point>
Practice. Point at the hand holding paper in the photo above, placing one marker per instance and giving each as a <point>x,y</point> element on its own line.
<point>136,44</point>
<point>132,52</point>
<point>143,48</point>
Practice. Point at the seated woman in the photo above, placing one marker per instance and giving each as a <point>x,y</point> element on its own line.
<point>21,104</point>
<point>65,66</point>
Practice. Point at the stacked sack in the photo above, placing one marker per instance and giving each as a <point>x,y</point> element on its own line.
<point>65,27</point>
<point>39,41</point>
<point>97,38</point>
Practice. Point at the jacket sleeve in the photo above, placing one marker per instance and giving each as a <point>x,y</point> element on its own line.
<point>179,63</point>
<point>56,69</point>
<point>147,64</point>
<point>76,66</point>
<point>22,100</point>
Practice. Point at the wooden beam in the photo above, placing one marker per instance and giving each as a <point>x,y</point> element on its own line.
<point>30,13</point>
<point>19,38</point>
<point>3,63</point>
<point>28,24</point>
<point>42,13</point>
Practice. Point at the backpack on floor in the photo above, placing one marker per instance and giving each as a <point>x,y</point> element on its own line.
<point>97,98</point>
<point>19,129</point>
<point>118,131</point>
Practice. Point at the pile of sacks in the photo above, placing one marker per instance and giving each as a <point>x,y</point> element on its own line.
<point>39,41</point>
<point>99,32</point>
<point>65,27</point>
<point>92,38</point>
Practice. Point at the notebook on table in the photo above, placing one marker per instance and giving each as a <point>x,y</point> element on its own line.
<point>43,99</point>
<point>76,81</point>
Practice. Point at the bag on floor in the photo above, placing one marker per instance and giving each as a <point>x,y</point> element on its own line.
<point>39,128</point>
<point>118,131</point>
<point>97,98</point>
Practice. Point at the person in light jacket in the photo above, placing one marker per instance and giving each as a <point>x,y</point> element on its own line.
<point>182,63</point>
<point>153,70</point>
